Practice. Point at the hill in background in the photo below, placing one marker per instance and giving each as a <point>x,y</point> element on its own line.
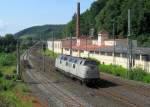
<point>43,32</point>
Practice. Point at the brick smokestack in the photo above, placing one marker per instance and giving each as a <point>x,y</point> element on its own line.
<point>78,21</point>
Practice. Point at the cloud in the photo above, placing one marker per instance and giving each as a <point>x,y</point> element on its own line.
<point>3,25</point>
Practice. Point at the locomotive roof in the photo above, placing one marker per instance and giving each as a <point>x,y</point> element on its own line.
<point>72,57</point>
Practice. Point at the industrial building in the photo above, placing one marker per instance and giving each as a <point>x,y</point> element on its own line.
<point>107,51</point>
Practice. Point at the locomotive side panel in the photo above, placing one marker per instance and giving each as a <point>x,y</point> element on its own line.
<point>77,67</point>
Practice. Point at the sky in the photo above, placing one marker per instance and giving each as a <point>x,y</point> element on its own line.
<point>16,15</point>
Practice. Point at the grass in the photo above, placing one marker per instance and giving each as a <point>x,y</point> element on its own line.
<point>21,87</point>
<point>113,69</point>
<point>8,94</point>
<point>7,59</point>
<point>7,63</point>
<point>13,101</point>
<point>9,88</point>
<point>50,54</point>
<point>8,70</point>
<point>136,74</point>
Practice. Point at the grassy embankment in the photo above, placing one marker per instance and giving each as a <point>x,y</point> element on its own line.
<point>12,93</point>
<point>136,74</point>
<point>50,53</point>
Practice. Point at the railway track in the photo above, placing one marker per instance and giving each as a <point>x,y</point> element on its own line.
<point>133,85</point>
<point>117,95</point>
<point>59,95</point>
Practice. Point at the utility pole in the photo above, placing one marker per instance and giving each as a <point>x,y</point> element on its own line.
<point>70,44</point>
<point>18,61</point>
<point>114,60</point>
<point>44,49</point>
<point>129,63</point>
<point>86,43</point>
<point>53,43</point>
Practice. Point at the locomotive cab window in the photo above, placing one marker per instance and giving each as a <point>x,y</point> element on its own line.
<point>65,58</point>
<point>75,61</point>
<point>80,62</point>
<point>62,58</point>
<point>90,63</point>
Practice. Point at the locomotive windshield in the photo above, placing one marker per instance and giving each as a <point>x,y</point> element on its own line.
<point>90,63</point>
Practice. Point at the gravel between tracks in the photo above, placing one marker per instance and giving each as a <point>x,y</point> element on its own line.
<point>111,91</point>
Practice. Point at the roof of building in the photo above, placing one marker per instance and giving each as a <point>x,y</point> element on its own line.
<point>103,31</point>
<point>88,47</point>
<point>136,50</point>
<point>118,49</point>
<point>86,37</point>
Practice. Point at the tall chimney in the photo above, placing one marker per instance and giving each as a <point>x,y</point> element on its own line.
<point>78,21</point>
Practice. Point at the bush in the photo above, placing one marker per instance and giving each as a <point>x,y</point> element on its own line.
<point>1,74</point>
<point>50,54</point>
<point>146,79</point>
<point>7,84</point>
<point>113,69</point>
<point>7,59</point>
<point>139,75</point>
<point>135,74</point>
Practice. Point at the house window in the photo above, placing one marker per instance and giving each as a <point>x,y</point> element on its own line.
<point>66,49</point>
<point>96,52</point>
<point>82,51</point>
<point>117,54</point>
<point>92,52</point>
<point>137,56</point>
<point>109,53</point>
<point>124,55</point>
<point>102,53</point>
<point>146,57</point>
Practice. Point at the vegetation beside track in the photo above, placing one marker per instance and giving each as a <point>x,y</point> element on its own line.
<point>137,74</point>
<point>50,54</point>
<point>7,63</point>
<point>12,93</point>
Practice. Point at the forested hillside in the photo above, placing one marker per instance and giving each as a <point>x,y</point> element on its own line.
<point>44,32</point>
<point>103,13</point>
